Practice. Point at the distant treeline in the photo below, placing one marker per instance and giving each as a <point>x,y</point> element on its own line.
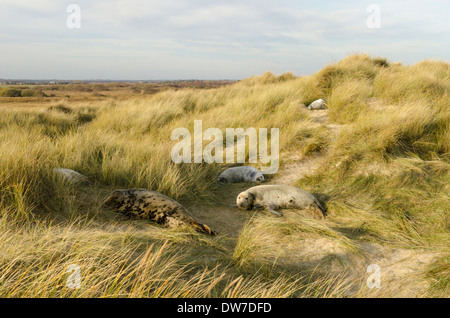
<point>14,92</point>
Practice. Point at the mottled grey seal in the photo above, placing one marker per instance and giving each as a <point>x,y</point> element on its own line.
<point>241,174</point>
<point>154,206</point>
<point>72,176</point>
<point>317,104</point>
<point>273,197</point>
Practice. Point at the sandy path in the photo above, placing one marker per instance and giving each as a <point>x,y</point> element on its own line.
<point>402,270</point>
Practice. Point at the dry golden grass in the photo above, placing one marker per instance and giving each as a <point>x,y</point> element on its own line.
<point>384,178</point>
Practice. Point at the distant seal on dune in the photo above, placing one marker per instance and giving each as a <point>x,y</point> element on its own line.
<point>154,206</point>
<point>272,197</point>
<point>72,176</point>
<point>241,174</point>
<point>317,104</point>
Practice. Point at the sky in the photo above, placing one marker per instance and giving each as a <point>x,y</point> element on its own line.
<point>211,39</point>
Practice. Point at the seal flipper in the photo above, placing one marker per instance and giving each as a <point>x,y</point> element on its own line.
<point>258,207</point>
<point>203,228</point>
<point>322,212</point>
<point>271,209</point>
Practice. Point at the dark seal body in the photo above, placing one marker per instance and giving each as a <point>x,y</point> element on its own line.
<point>274,197</point>
<point>153,206</point>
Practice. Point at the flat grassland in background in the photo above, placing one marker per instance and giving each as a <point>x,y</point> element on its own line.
<point>383,146</point>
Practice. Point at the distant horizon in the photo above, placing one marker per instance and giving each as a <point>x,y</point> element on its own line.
<point>114,80</point>
<point>99,80</point>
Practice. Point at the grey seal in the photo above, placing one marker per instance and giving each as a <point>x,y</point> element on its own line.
<point>318,104</point>
<point>72,176</point>
<point>241,174</point>
<point>153,206</point>
<point>272,197</point>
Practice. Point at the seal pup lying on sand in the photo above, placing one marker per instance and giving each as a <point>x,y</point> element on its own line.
<point>241,174</point>
<point>272,197</point>
<point>317,104</point>
<point>154,206</point>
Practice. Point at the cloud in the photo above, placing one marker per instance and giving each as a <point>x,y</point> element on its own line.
<point>224,36</point>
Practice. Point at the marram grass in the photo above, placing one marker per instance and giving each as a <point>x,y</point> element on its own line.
<point>384,178</point>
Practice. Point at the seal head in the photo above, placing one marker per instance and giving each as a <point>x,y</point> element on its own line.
<point>245,200</point>
<point>115,200</point>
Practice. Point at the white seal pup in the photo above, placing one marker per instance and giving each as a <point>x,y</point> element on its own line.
<point>153,206</point>
<point>72,176</point>
<point>272,197</point>
<point>317,104</point>
<point>241,174</point>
